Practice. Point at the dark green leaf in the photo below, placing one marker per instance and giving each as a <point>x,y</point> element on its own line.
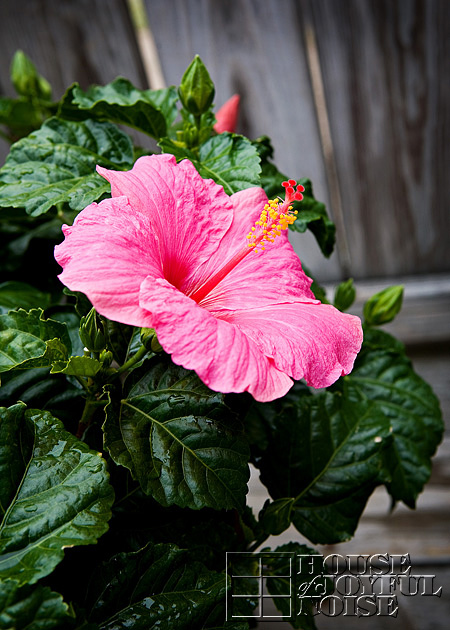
<point>122,340</point>
<point>68,315</point>
<point>28,340</point>
<point>178,439</point>
<point>57,163</point>
<point>154,587</point>
<point>275,517</point>
<point>21,295</point>
<point>38,389</point>
<point>21,116</point>
<point>32,608</point>
<point>82,304</point>
<point>384,375</point>
<point>150,111</point>
<point>228,159</point>
<point>57,494</point>
<point>326,452</point>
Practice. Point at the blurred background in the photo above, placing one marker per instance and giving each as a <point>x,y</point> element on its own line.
<point>355,94</point>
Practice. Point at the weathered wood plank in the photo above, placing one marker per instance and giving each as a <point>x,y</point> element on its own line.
<point>383,64</point>
<point>256,49</point>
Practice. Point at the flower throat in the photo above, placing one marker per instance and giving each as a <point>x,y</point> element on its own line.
<point>276,216</point>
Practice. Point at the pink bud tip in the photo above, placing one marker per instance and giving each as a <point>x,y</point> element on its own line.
<point>285,184</point>
<point>227,115</point>
<point>300,188</point>
<point>292,182</point>
<point>289,190</point>
<point>298,196</point>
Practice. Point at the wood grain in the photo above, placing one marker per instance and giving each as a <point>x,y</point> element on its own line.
<point>385,66</point>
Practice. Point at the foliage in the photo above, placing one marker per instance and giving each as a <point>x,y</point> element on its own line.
<point>103,438</point>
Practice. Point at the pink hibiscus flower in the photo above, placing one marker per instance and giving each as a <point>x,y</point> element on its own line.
<point>215,276</point>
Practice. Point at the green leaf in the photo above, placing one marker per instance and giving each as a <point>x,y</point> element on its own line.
<point>150,111</point>
<point>230,160</point>
<point>178,439</point>
<point>32,608</point>
<point>326,452</point>
<point>77,366</point>
<point>122,340</point>
<point>21,116</point>
<point>28,340</point>
<point>27,80</point>
<point>156,586</point>
<point>384,375</point>
<point>57,163</point>
<point>38,389</point>
<point>57,493</point>
<point>384,306</point>
<point>20,294</point>
<point>275,517</point>
<point>67,314</point>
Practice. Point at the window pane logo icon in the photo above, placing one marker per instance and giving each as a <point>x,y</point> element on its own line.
<point>255,581</point>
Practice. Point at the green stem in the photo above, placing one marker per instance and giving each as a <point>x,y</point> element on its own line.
<point>140,354</point>
<point>259,541</point>
<point>125,497</point>
<point>90,408</point>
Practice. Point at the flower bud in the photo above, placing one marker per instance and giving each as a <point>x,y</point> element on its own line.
<point>382,307</point>
<point>90,332</point>
<point>26,79</point>
<point>106,357</point>
<point>345,295</point>
<point>150,340</point>
<point>196,89</point>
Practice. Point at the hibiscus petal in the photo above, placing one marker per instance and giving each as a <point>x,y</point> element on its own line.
<point>311,341</point>
<point>222,356</point>
<point>189,214</point>
<point>276,273</point>
<point>106,254</point>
